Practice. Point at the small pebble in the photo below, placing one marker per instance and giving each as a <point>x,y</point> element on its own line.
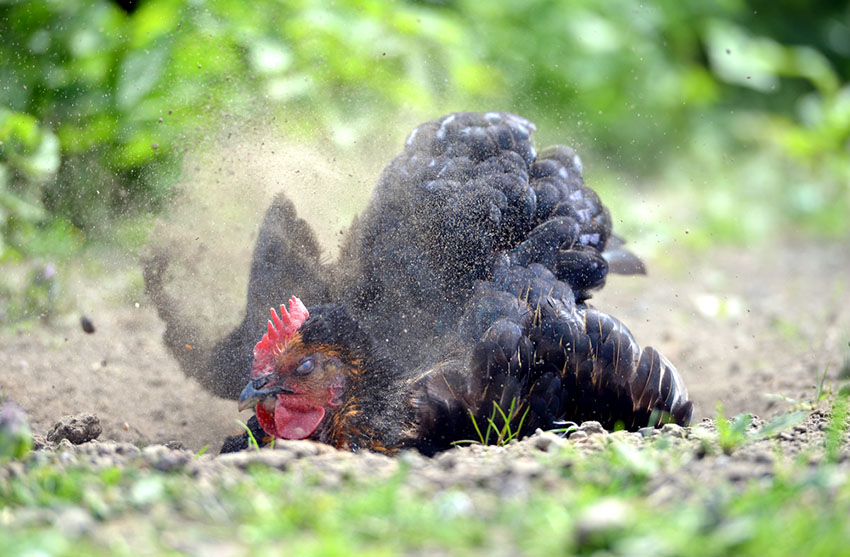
<point>592,428</point>
<point>764,458</point>
<point>578,436</point>
<point>673,430</point>
<point>547,442</point>
<point>76,429</point>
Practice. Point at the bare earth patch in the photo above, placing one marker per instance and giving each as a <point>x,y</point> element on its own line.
<point>738,324</point>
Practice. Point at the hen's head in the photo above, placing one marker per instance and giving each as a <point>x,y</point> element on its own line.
<point>303,367</point>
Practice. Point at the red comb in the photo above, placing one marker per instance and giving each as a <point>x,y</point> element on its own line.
<point>281,329</point>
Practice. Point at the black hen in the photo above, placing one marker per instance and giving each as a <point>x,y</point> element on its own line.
<point>471,240</point>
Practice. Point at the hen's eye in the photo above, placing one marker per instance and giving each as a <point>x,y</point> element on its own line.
<point>305,367</point>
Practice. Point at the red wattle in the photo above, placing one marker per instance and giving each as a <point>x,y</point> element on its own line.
<point>297,423</point>
<point>290,419</point>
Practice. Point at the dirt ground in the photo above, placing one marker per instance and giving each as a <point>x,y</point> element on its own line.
<point>739,324</point>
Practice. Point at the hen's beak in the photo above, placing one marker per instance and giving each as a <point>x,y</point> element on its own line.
<point>253,393</point>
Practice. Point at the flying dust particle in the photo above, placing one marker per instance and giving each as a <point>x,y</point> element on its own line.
<point>87,324</point>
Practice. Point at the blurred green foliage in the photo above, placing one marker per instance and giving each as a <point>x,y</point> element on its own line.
<point>15,433</point>
<point>741,109</point>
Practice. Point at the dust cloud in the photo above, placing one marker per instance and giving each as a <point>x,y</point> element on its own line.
<point>210,226</point>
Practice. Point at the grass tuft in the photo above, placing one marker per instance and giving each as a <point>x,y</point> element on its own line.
<point>731,435</point>
<point>502,435</point>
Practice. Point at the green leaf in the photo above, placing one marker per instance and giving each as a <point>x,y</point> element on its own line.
<point>44,162</point>
<point>780,423</point>
<point>140,72</point>
<point>24,210</point>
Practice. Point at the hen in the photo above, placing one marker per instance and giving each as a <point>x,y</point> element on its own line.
<point>459,294</point>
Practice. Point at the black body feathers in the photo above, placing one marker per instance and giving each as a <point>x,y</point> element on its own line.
<point>550,359</point>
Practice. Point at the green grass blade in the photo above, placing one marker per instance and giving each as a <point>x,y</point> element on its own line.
<point>519,427</point>
<point>477,429</point>
<point>252,441</point>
